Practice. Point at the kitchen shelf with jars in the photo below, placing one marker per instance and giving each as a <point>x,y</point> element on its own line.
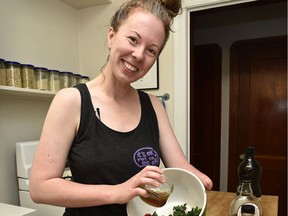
<point>25,80</point>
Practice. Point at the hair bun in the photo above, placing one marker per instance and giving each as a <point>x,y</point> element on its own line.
<point>173,6</point>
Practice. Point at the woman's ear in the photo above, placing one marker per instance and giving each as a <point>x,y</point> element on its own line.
<point>110,37</point>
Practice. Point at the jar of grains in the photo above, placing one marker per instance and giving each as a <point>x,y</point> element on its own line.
<point>42,78</point>
<point>13,74</point>
<point>27,76</point>
<point>66,79</point>
<point>77,78</point>
<point>2,72</point>
<point>54,80</point>
<point>84,79</point>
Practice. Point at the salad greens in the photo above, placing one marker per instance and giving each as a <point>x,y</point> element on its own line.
<point>180,210</point>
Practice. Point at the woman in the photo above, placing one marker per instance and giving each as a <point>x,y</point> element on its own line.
<point>112,134</point>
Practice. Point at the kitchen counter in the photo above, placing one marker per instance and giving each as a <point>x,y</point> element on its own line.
<point>218,203</point>
<point>12,210</point>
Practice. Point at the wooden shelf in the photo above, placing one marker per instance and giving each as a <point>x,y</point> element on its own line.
<point>25,93</point>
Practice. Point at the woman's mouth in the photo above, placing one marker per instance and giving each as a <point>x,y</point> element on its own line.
<point>130,67</point>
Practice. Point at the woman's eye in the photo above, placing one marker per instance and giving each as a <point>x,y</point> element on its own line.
<point>133,39</point>
<point>152,51</point>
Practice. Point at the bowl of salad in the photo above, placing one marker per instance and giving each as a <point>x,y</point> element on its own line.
<point>188,197</point>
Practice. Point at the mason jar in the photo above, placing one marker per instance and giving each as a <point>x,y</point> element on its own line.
<point>42,78</point>
<point>84,79</point>
<point>27,76</point>
<point>2,72</point>
<point>54,80</point>
<point>77,78</point>
<point>66,79</point>
<point>13,74</point>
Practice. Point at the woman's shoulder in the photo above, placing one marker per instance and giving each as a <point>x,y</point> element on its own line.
<point>67,96</point>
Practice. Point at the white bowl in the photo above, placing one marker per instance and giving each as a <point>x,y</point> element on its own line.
<point>187,189</point>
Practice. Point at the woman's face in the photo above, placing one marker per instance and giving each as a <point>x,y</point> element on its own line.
<point>136,46</point>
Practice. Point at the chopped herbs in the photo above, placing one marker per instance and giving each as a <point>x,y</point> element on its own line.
<point>180,210</point>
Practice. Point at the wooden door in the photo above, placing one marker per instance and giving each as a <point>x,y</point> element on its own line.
<point>258,112</point>
<point>205,127</point>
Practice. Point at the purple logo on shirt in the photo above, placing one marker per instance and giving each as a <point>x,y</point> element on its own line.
<point>146,156</point>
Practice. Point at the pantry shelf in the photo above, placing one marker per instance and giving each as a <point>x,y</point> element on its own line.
<point>25,93</point>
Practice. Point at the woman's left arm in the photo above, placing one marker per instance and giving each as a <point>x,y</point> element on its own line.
<point>172,154</point>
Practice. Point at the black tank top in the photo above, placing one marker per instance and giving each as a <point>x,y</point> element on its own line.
<point>101,155</point>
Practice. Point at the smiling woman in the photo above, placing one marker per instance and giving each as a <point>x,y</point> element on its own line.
<point>112,158</point>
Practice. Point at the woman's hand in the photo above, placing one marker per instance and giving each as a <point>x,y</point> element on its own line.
<point>126,191</point>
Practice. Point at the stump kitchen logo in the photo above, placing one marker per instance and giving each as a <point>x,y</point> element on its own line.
<point>146,156</point>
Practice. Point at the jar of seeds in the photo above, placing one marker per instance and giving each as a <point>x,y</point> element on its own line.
<point>54,80</point>
<point>42,78</point>
<point>2,72</point>
<point>77,78</point>
<point>13,74</point>
<point>84,79</point>
<point>27,76</point>
<point>66,79</point>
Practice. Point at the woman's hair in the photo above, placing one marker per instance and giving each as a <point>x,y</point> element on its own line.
<point>164,10</point>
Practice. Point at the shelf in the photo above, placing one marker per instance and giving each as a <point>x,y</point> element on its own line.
<point>25,93</point>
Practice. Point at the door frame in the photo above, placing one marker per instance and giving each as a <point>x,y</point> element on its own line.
<point>181,46</point>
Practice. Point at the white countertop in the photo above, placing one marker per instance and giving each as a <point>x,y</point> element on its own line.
<point>12,210</point>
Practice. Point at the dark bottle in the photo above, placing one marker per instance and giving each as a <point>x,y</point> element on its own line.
<point>250,166</point>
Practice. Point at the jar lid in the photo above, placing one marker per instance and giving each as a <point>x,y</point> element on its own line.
<point>56,71</point>
<point>84,76</point>
<point>77,75</point>
<point>2,60</point>
<point>66,72</point>
<point>27,65</point>
<point>12,63</point>
<point>41,68</point>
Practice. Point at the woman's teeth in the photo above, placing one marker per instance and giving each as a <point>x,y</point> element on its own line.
<point>130,67</point>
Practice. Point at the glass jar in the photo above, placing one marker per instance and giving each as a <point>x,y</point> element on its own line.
<point>27,76</point>
<point>2,72</point>
<point>77,78</point>
<point>157,196</point>
<point>84,79</point>
<point>13,74</point>
<point>66,79</point>
<point>54,80</point>
<point>42,78</point>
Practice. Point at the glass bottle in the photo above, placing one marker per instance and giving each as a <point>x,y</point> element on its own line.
<point>245,197</point>
<point>250,166</point>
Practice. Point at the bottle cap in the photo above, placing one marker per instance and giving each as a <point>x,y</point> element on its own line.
<point>250,151</point>
<point>248,209</point>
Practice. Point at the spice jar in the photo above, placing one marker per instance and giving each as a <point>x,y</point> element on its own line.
<point>27,76</point>
<point>66,79</point>
<point>77,78</point>
<point>84,79</point>
<point>41,77</point>
<point>2,72</point>
<point>54,80</point>
<point>13,74</point>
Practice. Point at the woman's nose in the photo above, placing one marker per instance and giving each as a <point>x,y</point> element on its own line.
<point>138,54</point>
